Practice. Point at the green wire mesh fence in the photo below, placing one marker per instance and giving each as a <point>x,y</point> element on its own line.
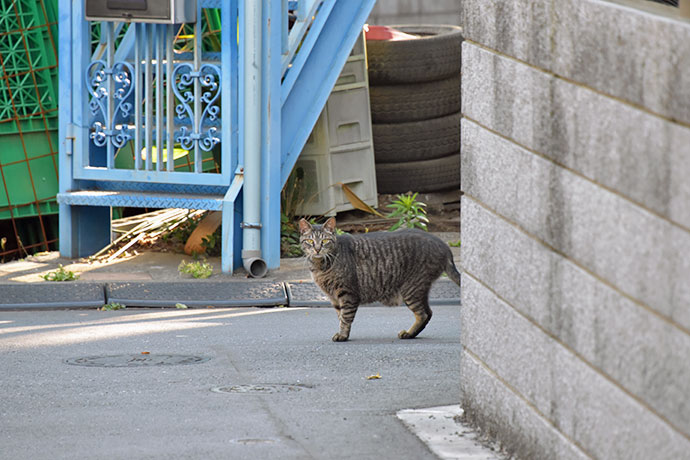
<point>28,126</point>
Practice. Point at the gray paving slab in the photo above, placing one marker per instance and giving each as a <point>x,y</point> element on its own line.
<point>306,294</point>
<point>51,295</point>
<point>198,294</point>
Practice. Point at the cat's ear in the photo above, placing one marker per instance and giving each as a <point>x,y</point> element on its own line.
<point>329,226</point>
<point>304,226</point>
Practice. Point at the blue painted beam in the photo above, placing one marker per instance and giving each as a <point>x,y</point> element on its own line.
<point>231,233</point>
<point>162,177</point>
<point>271,134</point>
<point>133,199</point>
<point>303,105</point>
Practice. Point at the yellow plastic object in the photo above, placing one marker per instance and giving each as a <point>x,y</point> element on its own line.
<point>177,153</point>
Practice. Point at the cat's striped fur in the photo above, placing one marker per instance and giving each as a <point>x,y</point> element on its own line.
<point>388,267</point>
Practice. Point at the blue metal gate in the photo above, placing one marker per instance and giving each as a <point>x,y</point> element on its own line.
<point>154,93</point>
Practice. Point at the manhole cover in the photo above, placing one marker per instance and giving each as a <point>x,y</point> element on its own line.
<point>261,389</point>
<point>136,360</point>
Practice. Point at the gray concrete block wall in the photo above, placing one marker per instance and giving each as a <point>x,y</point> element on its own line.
<point>626,342</point>
<point>632,50</point>
<point>387,12</point>
<point>553,116</point>
<point>576,227</point>
<point>585,407</point>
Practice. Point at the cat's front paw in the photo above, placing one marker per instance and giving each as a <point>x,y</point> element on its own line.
<point>405,335</point>
<point>338,337</point>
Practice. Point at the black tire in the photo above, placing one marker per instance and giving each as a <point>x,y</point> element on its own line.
<point>419,176</point>
<point>421,101</point>
<point>434,56</point>
<point>416,140</point>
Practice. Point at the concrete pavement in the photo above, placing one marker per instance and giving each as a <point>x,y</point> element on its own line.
<point>254,383</point>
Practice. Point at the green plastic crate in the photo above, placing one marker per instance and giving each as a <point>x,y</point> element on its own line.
<point>28,108</point>
<point>30,182</point>
<point>28,41</point>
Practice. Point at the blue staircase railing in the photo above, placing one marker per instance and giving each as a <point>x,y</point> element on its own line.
<point>151,117</point>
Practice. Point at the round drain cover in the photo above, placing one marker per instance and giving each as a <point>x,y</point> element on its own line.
<point>136,360</point>
<point>261,388</point>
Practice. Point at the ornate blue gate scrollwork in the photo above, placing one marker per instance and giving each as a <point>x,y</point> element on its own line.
<point>99,81</point>
<point>201,133</point>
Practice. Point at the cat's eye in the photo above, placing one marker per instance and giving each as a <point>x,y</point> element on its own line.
<point>327,242</point>
<point>309,242</point>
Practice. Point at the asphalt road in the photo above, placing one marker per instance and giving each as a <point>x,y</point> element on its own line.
<point>274,385</point>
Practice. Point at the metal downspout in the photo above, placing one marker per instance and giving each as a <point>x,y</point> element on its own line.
<point>251,225</point>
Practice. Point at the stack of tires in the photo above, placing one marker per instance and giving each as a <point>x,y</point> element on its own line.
<point>414,89</point>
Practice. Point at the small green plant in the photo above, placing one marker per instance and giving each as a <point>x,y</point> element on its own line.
<point>112,306</point>
<point>454,244</point>
<point>211,243</point>
<point>60,275</point>
<point>291,198</point>
<point>181,306</point>
<point>198,269</point>
<point>289,238</point>
<point>409,211</point>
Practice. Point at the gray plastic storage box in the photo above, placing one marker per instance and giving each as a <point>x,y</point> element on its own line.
<point>340,148</point>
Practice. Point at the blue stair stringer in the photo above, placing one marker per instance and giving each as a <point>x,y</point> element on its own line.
<point>309,81</point>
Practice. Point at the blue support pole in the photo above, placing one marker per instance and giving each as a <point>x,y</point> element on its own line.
<point>65,133</point>
<point>270,120</point>
<point>83,230</point>
<point>231,233</point>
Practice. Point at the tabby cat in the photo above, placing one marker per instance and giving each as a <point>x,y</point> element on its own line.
<point>389,267</point>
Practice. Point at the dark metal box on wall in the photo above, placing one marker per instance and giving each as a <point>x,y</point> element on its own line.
<point>154,11</point>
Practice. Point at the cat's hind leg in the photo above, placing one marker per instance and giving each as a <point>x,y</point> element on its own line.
<point>419,304</point>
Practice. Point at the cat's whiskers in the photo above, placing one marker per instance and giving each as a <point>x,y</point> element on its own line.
<point>305,261</point>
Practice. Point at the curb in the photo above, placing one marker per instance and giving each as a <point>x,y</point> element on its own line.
<point>194,294</point>
<point>51,296</point>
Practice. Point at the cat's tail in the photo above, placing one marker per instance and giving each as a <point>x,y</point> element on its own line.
<point>452,271</point>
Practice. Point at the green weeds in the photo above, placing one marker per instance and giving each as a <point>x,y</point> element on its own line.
<point>409,211</point>
<point>60,275</point>
<point>197,269</point>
